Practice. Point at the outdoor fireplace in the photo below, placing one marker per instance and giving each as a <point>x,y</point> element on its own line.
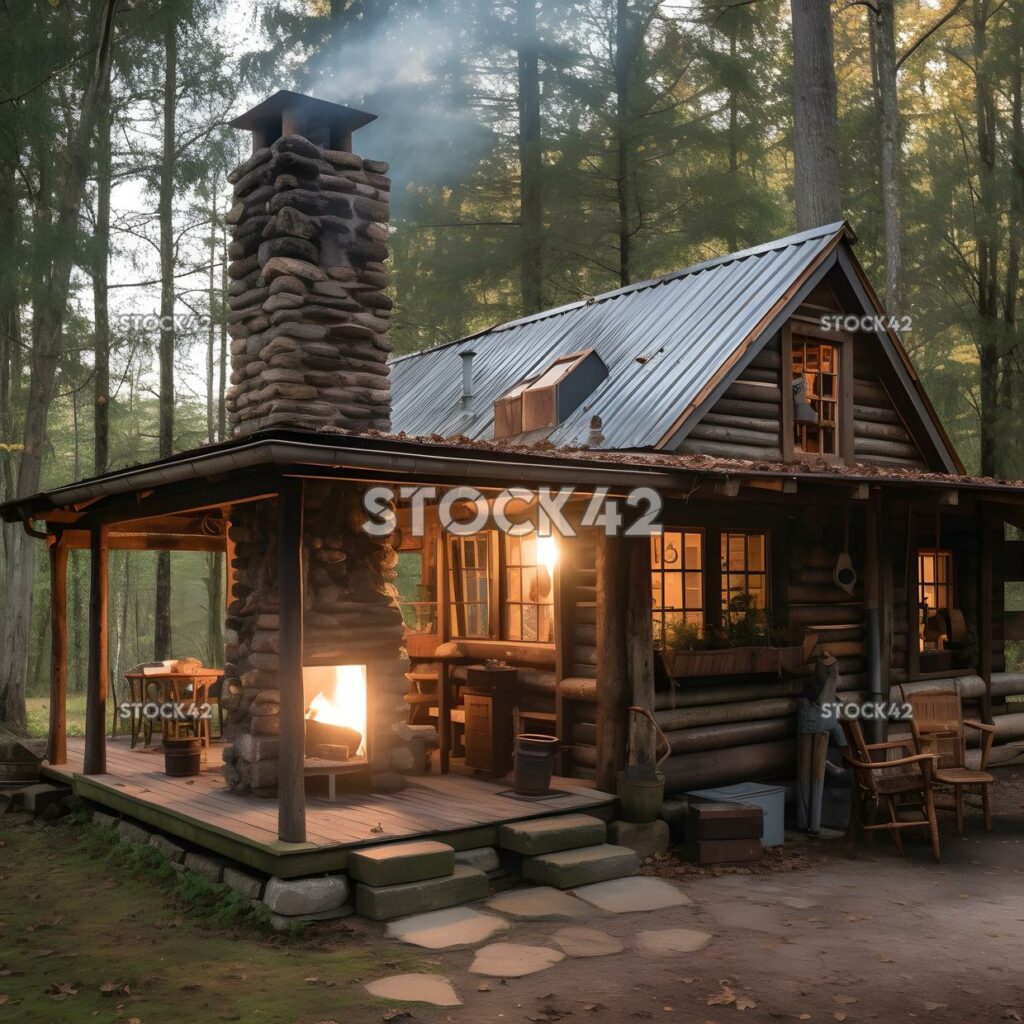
<point>308,319</point>
<point>336,712</point>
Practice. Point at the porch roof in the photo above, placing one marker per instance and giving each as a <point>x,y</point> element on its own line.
<point>460,460</point>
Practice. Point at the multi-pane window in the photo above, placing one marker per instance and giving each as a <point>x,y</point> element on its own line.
<point>528,570</point>
<point>817,363</point>
<point>471,575</point>
<point>677,581</point>
<point>744,573</point>
<point>934,590</point>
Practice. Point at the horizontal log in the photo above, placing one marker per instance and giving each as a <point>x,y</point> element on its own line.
<point>726,693</point>
<point>735,764</point>
<point>749,391</point>
<point>760,374</point>
<point>716,714</point>
<point>733,435</point>
<point>585,634</point>
<point>875,414</point>
<point>869,392</point>
<point>881,432</point>
<point>890,449</point>
<point>802,593</point>
<point>728,451</point>
<point>767,357</point>
<point>585,655</point>
<point>731,734</point>
<point>760,424</point>
<point>885,460</point>
<point>584,755</point>
<point>742,407</point>
<point>833,615</point>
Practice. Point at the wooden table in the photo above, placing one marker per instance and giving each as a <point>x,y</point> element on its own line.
<point>175,688</point>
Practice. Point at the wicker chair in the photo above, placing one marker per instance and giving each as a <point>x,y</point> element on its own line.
<point>900,786</point>
<point>939,728</point>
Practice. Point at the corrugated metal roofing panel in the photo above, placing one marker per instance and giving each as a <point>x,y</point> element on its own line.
<point>662,341</point>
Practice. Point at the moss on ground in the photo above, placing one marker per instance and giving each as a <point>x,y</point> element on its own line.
<point>38,711</point>
<point>92,930</point>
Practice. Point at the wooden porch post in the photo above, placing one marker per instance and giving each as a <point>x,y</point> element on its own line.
<point>291,795</point>
<point>640,649</point>
<point>95,762</point>
<point>985,547</point>
<point>57,745</point>
<point>873,609</point>
<point>612,682</point>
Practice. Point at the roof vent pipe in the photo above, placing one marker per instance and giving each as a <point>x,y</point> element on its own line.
<point>467,378</point>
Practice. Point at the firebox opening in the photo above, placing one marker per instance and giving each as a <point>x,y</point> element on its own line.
<point>336,718</point>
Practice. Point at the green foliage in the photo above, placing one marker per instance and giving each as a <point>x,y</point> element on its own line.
<point>743,625</point>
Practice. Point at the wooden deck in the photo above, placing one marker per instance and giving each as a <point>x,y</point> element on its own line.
<point>457,809</point>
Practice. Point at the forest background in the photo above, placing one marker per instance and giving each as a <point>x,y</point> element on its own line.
<point>541,151</point>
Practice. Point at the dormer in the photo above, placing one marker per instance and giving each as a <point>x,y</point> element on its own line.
<point>546,399</point>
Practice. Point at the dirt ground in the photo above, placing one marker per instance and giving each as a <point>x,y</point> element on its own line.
<point>830,935</point>
<point>825,934</point>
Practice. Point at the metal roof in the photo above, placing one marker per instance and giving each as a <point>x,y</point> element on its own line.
<point>662,340</point>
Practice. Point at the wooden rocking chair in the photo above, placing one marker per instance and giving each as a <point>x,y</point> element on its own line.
<point>939,728</point>
<point>899,786</point>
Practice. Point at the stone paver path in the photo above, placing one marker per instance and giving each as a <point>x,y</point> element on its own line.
<point>541,903</point>
<point>667,941</point>
<point>510,960</point>
<point>575,940</point>
<point>416,988</point>
<point>447,929</point>
<point>632,895</point>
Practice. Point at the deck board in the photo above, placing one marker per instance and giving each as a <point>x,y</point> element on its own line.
<point>202,810</point>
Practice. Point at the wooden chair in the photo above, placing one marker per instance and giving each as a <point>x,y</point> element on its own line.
<point>939,728</point>
<point>900,786</point>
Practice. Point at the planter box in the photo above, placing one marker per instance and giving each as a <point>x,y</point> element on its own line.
<point>739,661</point>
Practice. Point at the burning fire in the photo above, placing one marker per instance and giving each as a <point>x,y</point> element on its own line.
<point>346,704</point>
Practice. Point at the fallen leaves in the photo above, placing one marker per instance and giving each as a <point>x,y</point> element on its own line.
<point>61,990</point>
<point>727,996</point>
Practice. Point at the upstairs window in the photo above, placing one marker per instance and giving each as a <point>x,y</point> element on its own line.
<point>816,397</point>
<point>545,400</point>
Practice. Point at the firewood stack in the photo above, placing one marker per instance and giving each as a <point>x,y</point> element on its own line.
<point>309,320</point>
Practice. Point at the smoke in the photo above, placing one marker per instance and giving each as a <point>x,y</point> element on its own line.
<point>413,72</point>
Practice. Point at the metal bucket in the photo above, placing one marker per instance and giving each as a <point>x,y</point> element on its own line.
<point>534,763</point>
<point>640,800</point>
<point>182,757</point>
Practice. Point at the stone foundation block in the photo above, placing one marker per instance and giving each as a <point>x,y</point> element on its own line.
<point>204,866</point>
<point>171,850</point>
<point>396,863</point>
<point>242,882</point>
<point>646,839</point>
<point>483,858</point>
<point>132,833</point>
<point>384,903</point>
<point>298,896</point>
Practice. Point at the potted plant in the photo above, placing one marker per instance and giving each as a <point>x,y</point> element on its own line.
<point>747,643</point>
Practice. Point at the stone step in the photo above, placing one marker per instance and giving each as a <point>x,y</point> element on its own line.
<point>396,863</point>
<point>566,869</point>
<point>386,902</point>
<point>548,835</point>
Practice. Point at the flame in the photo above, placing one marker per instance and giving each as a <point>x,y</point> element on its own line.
<point>347,703</point>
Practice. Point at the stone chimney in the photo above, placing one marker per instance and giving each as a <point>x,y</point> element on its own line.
<point>309,320</point>
<point>308,313</point>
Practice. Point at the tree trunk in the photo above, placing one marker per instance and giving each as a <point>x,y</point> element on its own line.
<point>531,206</point>
<point>162,627</point>
<point>624,44</point>
<point>50,308</point>
<point>815,150</point>
<point>987,247</point>
<point>884,26</point>
<point>101,318</point>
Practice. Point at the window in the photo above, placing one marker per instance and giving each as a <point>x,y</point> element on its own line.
<point>744,574</point>
<point>490,571</point>
<point>934,592</point>
<point>677,581</point>
<point>816,413</point>
<point>529,591</point>
<point>471,575</point>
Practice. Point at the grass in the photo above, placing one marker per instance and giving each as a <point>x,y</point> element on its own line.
<point>96,931</point>
<point>39,715</point>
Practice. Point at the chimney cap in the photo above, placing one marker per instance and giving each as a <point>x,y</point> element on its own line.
<point>285,111</point>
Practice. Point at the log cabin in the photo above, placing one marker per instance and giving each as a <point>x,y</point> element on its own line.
<point>807,499</point>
